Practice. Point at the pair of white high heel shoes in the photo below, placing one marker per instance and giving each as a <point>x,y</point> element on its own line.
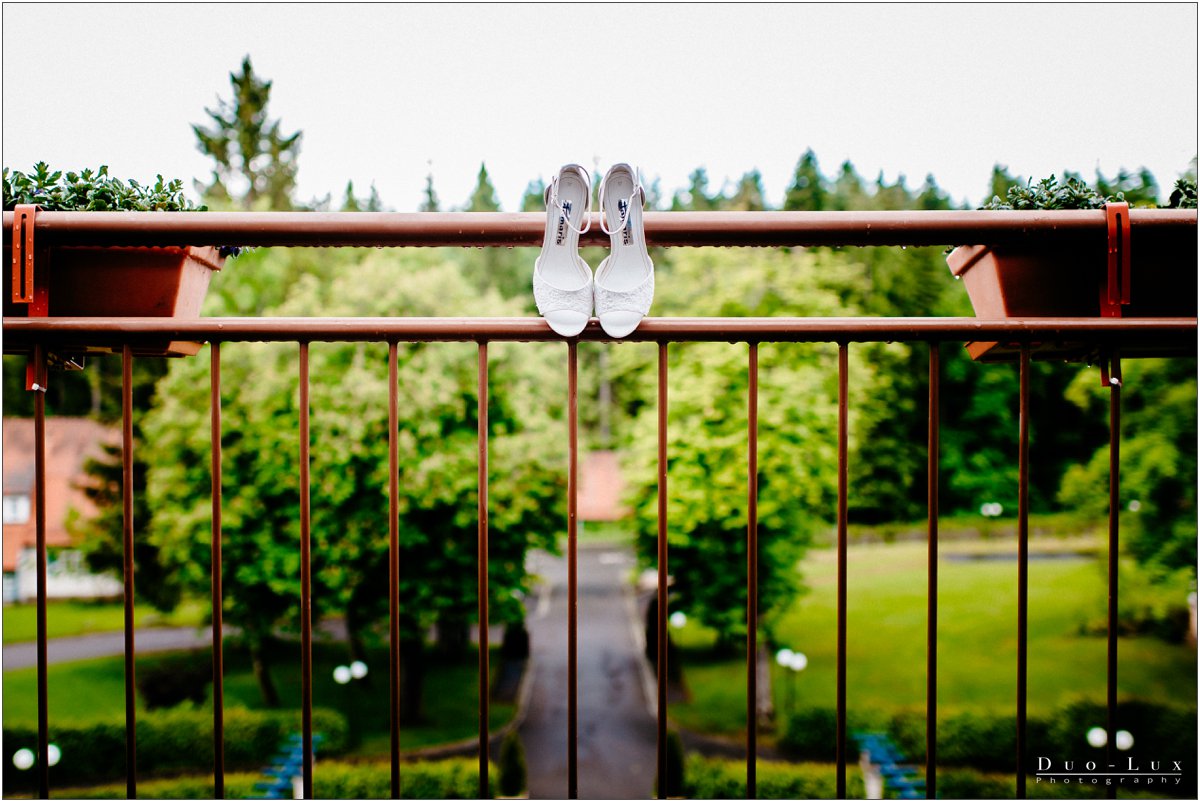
<point>623,286</point>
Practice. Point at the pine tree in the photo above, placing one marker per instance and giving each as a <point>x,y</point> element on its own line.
<point>696,198</point>
<point>534,198</point>
<point>1001,182</point>
<point>430,204</point>
<point>808,192</point>
<point>848,191</point>
<point>255,161</point>
<point>483,199</point>
<point>350,203</point>
<point>931,197</point>
<point>749,194</point>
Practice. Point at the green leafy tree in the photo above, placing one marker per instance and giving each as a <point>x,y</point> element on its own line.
<point>707,502</point>
<point>808,191</point>
<point>438,453</point>
<point>255,161</point>
<point>1158,459</point>
<point>101,535</point>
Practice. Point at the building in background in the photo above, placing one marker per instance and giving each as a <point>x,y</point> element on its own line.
<point>69,443</point>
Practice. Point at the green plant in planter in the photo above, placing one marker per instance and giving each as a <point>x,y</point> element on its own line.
<point>1048,193</point>
<point>92,192</point>
<point>95,191</point>
<point>114,281</point>
<point>1183,196</point>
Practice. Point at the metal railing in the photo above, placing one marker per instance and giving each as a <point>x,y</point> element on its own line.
<point>36,335</point>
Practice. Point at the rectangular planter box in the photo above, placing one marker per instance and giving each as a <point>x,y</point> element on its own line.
<point>87,281</point>
<point>1026,281</point>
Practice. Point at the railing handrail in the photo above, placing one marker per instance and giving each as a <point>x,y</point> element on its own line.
<point>20,331</point>
<point>526,229</point>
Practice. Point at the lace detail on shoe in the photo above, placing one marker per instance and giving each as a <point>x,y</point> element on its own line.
<point>636,300</point>
<point>551,299</point>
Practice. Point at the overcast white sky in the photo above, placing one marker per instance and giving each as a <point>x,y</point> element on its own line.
<point>386,93</point>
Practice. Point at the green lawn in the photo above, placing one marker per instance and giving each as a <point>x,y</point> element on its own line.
<point>67,618</point>
<point>94,689</point>
<point>977,638</point>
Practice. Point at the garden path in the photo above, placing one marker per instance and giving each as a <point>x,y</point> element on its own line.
<point>616,735</point>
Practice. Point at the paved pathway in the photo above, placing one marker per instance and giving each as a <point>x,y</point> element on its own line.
<point>104,644</point>
<point>617,739</point>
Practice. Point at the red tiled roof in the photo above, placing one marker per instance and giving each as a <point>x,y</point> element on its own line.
<point>69,442</point>
<point>600,487</point>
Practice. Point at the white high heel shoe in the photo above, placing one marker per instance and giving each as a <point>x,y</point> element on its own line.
<point>624,282</point>
<point>562,281</point>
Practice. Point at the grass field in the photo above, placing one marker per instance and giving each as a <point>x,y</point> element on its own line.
<point>977,637</point>
<point>67,618</point>
<point>88,690</point>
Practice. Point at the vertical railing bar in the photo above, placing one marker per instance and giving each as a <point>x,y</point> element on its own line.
<point>218,654</point>
<point>1023,572</point>
<point>483,571</point>
<point>932,576</point>
<point>127,557</point>
<point>305,578</point>
<point>1114,505</point>
<point>752,576</point>
<point>843,490</point>
<point>394,563</point>
<point>661,649</point>
<point>572,572</point>
<point>39,507</point>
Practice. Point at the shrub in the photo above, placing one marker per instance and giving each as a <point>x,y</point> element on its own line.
<point>167,741</point>
<point>811,734</point>
<point>720,778</point>
<point>968,784</point>
<point>985,742</point>
<point>457,778</point>
<point>513,772</point>
<point>169,681</point>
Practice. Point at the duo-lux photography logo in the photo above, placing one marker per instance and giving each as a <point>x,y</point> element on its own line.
<point>1135,772</point>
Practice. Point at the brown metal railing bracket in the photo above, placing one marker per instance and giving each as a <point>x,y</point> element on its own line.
<point>30,286</point>
<point>1115,292</point>
<point>1110,370</point>
<point>23,254</point>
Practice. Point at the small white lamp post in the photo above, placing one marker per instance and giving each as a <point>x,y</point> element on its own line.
<point>795,662</point>
<point>343,675</point>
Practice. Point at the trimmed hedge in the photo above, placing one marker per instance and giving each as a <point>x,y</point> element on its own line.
<point>178,740</point>
<point>987,743</point>
<point>721,778</point>
<point>968,784</point>
<point>457,778</point>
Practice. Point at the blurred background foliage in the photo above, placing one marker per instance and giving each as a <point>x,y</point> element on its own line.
<point>254,167</point>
